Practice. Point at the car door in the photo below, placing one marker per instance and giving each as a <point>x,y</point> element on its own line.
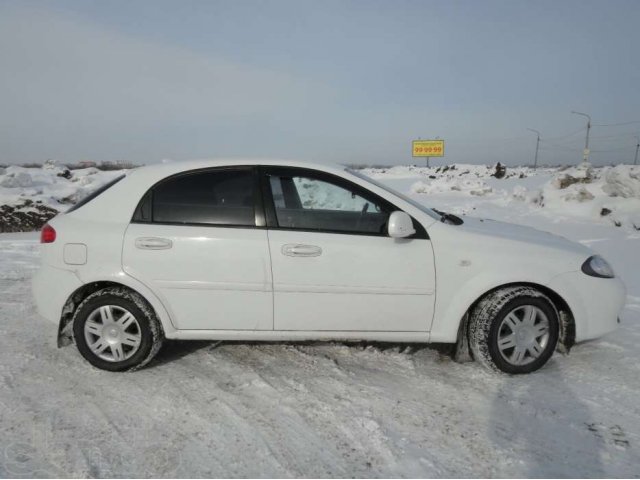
<point>334,266</point>
<point>194,240</point>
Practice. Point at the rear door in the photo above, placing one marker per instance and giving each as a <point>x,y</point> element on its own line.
<point>334,266</point>
<point>196,242</point>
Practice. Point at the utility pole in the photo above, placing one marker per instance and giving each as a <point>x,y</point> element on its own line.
<point>535,160</point>
<point>635,161</point>
<point>585,156</point>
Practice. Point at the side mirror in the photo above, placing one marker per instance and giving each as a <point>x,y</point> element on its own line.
<point>400,225</point>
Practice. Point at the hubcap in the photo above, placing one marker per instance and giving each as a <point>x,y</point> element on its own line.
<point>112,333</point>
<point>523,335</point>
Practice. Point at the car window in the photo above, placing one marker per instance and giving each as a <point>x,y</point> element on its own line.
<point>432,213</point>
<point>223,197</point>
<point>309,203</point>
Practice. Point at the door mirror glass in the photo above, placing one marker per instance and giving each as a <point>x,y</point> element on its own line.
<point>400,225</point>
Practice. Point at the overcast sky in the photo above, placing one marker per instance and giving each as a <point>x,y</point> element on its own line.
<point>338,81</point>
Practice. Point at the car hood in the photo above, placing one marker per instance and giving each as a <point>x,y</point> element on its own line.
<point>521,234</point>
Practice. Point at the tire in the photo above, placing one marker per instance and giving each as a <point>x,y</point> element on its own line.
<point>115,329</point>
<point>514,330</point>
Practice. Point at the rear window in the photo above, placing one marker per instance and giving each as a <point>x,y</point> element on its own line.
<point>96,193</point>
<point>224,197</point>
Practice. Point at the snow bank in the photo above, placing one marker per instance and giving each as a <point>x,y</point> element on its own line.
<point>321,195</point>
<point>31,196</point>
<point>468,186</point>
<point>622,181</point>
<point>16,180</point>
<point>607,194</point>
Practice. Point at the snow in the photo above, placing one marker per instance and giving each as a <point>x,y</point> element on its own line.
<point>315,194</point>
<point>313,409</point>
<point>43,185</point>
<point>525,191</point>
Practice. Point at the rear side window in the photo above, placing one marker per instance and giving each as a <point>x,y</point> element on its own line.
<point>223,197</point>
<point>96,193</point>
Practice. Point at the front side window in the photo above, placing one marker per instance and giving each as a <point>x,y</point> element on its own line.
<point>310,203</point>
<point>223,197</point>
<point>432,213</point>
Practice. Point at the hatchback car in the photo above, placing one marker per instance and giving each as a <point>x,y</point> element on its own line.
<point>287,251</point>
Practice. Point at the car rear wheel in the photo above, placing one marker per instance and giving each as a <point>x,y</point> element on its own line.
<point>514,330</point>
<point>116,330</point>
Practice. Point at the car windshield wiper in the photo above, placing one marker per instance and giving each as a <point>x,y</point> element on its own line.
<point>449,218</point>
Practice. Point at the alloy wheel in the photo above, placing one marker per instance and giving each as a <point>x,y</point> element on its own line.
<point>112,333</point>
<point>523,335</point>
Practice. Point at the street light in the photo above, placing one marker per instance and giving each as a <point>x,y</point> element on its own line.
<point>585,156</point>
<point>535,161</point>
<point>635,161</point>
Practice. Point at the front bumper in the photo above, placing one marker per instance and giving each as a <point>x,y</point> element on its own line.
<point>51,288</point>
<point>595,303</point>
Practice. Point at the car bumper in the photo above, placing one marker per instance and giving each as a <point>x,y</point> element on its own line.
<point>51,288</point>
<point>595,303</point>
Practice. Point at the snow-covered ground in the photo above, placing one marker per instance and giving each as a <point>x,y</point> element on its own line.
<point>264,410</point>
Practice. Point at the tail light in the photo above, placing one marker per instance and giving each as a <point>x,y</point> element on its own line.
<point>47,234</point>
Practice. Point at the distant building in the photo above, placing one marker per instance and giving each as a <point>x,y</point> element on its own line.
<point>87,164</point>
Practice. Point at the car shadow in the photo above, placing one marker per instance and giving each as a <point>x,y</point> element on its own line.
<point>173,350</point>
<point>543,428</point>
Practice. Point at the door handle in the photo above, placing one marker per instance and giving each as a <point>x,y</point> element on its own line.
<point>153,243</point>
<point>299,250</point>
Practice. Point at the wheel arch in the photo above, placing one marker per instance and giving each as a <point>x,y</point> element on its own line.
<point>566,318</point>
<point>65,330</point>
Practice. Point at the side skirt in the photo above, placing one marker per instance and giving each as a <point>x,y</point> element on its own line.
<point>296,335</point>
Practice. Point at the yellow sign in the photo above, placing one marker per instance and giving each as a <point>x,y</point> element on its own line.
<point>428,148</point>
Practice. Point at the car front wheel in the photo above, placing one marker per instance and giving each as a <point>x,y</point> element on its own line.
<point>514,330</point>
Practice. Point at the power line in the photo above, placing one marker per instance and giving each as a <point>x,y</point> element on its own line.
<point>560,148</point>
<point>615,124</point>
<point>613,149</point>
<point>568,135</point>
<point>619,135</point>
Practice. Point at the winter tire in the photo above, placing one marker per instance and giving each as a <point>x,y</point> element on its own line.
<point>116,330</point>
<point>514,330</point>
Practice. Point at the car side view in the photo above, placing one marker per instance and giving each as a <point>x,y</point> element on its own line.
<point>288,251</point>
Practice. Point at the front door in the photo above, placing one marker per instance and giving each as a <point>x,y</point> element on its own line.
<point>194,241</point>
<point>334,266</point>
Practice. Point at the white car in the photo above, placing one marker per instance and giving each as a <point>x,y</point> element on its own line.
<point>287,251</point>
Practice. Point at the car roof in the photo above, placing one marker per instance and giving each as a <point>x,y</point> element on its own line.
<point>162,170</point>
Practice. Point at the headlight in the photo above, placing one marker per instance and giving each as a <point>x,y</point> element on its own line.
<point>597,266</point>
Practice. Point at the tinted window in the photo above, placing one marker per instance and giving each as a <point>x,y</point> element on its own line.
<point>95,193</point>
<point>143,211</point>
<point>310,203</point>
<point>223,197</point>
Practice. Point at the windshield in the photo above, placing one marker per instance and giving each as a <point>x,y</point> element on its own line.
<point>407,199</point>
